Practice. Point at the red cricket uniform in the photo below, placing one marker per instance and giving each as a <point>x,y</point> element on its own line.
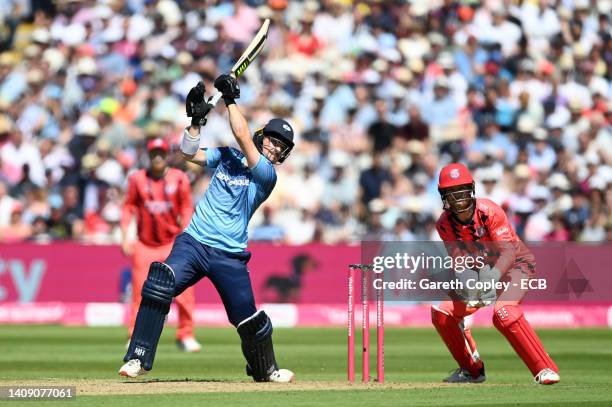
<point>163,208</point>
<point>489,224</point>
<point>158,205</point>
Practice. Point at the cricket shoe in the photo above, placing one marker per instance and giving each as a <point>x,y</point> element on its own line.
<point>464,376</point>
<point>547,376</point>
<point>132,369</point>
<point>188,344</point>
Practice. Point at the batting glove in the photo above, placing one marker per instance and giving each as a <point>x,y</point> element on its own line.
<point>195,105</point>
<point>229,88</point>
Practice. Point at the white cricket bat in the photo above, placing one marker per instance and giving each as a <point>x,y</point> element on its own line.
<point>247,56</point>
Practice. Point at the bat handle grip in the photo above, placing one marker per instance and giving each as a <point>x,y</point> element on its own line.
<point>215,99</point>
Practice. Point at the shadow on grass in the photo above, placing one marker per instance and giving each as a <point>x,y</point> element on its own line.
<point>181,380</point>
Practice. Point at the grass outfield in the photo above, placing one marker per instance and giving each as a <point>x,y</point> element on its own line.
<point>415,363</point>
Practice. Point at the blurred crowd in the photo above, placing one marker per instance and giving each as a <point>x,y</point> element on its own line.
<point>382,94</point>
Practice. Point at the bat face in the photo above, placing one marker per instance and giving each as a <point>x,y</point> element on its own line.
<point>252,50</point>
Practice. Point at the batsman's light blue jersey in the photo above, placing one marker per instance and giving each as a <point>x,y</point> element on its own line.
<point>234,193</point>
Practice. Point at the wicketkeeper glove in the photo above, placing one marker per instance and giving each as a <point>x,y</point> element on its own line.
<point>229,88</point>
<point>476,304</point>
<point>489,274</point>
<point>197,108</point>
<point>466,294</point>
<point>488,297</point>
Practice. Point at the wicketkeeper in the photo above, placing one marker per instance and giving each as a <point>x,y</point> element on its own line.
<point>214,243</point>
<point>467,219</point>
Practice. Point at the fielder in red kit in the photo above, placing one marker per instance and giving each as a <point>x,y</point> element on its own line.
<point>160,197</point>
<point>467,219</point>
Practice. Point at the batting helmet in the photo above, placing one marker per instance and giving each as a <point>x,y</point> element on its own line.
<point>279,130</point>
<point>456,187</point>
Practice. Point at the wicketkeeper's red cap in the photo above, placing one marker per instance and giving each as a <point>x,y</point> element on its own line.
<point>158,143</point>
<point>453,175</point>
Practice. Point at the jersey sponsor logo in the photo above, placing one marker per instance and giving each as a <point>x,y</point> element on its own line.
<point>157,207</point>
<point>233,181</point>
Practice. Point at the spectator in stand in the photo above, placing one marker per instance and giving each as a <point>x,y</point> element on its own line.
<point>371,181</point>
<point>304,41</point>
<point>381,132</point>
<point>267,231</point>
<point>16,230</point>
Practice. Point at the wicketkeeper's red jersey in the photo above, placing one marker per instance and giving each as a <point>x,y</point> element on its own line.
<point>488,224</point>
<point>163,206</point>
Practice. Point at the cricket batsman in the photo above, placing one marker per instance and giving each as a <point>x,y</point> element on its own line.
<point>160,197</point>
<point>214,243</point>
<point>467,219</point>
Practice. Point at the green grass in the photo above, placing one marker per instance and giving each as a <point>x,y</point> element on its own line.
<point>415,356</point>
